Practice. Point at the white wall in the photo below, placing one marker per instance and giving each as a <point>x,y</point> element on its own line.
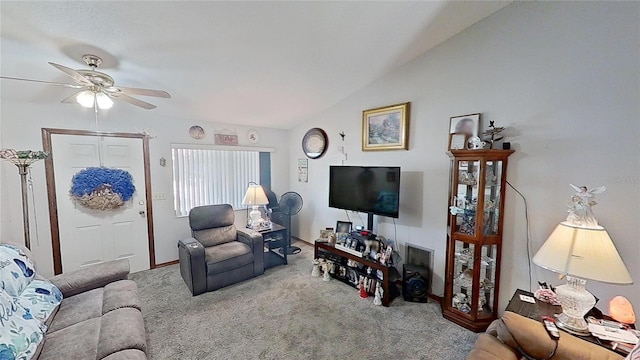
<point>563,77</point>
<point>21,126</point>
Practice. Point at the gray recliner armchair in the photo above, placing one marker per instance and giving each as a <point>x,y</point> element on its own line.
<point>218,254</point>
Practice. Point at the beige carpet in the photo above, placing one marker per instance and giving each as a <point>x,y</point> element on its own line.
<point>287,314</point>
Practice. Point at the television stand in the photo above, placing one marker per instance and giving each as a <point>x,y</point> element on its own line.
<point>330,252</point>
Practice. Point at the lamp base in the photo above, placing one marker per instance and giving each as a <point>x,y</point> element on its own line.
<point>256,221</point>
<point>572,325</point>
<point>576,301</point>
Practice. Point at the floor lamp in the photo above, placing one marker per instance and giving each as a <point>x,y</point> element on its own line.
<point>23,159</point>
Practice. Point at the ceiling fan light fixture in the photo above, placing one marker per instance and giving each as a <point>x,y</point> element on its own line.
<point>104,101</point>
<point>86,98</point>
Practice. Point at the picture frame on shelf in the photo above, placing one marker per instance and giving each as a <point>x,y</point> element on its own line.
<point>386,128</point>
<point>341,238</point>
<point>465,124</point>
<point>352,276</point>
<point>458,141</point>
<point>343,226</point>
<point>326,234</point>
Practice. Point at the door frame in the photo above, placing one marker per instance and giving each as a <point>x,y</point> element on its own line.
<point>51,187</point>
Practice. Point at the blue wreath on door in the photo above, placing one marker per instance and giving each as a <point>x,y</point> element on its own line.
<point>102,188</point>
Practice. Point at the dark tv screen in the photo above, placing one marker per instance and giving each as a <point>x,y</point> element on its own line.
<point>369,189</point>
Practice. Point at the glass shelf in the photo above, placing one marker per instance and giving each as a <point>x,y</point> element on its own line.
<point>492,189</point>
<point>463,278</point>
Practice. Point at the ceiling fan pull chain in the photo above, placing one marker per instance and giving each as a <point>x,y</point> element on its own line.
<point>95,107</point>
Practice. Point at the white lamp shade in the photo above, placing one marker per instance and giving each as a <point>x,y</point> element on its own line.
<point>104,101</point>
<point>85,98</point>
<point>255,195</point>
<point>585,252</point>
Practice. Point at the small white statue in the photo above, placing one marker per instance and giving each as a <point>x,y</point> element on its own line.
<point>384,257</point>
<point>316,268</point>
<point>327,267</point>
<point>580,204</point>
<point>379,293</point>
<point>474,143</point>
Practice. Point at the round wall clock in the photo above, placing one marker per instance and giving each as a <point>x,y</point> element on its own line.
<point>253,135</point>
<point>315,143</point>
<point>196,132</point>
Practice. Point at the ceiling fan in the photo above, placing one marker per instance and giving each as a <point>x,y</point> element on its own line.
<point>96,89</point>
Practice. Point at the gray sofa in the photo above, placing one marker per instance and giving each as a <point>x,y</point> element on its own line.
<point>218,254</point>
<point>98,318</point>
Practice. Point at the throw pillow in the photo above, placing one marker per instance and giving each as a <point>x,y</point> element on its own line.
<point>16,270</point>
<point>41,298</point>
<point>20,332</point>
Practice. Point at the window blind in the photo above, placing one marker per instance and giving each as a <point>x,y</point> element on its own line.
<point>211,176</point>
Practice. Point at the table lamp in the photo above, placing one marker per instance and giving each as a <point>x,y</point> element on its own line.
<point>255,197</point>
<point>580,249</point>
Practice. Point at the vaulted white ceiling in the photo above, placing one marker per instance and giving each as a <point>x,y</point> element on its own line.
<point>271,64</point>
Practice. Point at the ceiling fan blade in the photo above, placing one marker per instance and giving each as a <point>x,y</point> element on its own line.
<point>71,99</point>
<point>131,100</point>
<point>77,77</point>
<point>43,82</point>
<point>138,91</point>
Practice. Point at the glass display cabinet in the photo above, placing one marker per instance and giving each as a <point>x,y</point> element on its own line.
<point>474,236</point>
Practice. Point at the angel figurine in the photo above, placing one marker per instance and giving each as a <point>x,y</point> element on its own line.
<point>580,204</point>
<point>379,293</point>
<point>327,268</point>
<point>316,268</point>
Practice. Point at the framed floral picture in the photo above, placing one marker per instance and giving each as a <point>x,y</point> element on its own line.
<point>386,128</point>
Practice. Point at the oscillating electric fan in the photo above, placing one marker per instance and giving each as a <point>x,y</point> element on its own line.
<point>290,204</point>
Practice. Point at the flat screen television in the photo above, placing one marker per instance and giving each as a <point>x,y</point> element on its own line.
<point>369,189</point>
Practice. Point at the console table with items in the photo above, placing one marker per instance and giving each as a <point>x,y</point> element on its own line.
<point>275,238</point>
<point>539,309</point>
<point>327,251</point>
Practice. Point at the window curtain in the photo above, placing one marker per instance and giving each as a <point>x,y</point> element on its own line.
<point>206,177</point>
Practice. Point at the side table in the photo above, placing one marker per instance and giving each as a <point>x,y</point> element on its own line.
<point>273,239</point>
<point>539,309</point>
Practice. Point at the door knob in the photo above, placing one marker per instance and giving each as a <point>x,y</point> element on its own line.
<point>141,212</point>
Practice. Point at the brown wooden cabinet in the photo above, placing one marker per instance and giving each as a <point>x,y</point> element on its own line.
<point>474,236</point>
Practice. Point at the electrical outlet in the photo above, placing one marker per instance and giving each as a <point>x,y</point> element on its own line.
<point>160,196</point>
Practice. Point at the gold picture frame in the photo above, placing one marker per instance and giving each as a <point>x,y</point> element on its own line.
<point>386,128</point>
<point>458,141</point>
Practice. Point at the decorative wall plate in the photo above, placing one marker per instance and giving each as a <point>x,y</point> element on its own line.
<point>315,143</point>
<point>253,135</point>
<point>196,132</point>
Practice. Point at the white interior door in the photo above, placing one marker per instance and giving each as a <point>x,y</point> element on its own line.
<point>90,236</point>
